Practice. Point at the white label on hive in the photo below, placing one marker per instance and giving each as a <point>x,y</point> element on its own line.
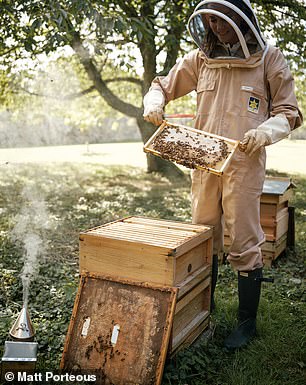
<point>115,334</point>
<point>85,327</point>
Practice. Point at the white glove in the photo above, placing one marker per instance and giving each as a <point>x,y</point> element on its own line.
<point>269,132</point>
<point>154,102</point>
<point>253,140</point>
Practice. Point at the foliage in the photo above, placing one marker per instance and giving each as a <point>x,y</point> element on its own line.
<point>44,26</point>
<point>126,34</point>
<point>135,30</point>
<point>79,198</point>
<point>286,22</point>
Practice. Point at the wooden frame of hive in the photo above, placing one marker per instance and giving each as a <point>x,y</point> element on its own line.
<point>132,354</point>
<point>220,166</point>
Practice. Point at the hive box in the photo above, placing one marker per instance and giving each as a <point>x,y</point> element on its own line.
<point>192,309</point>
<point>277,191</point>
<point>146,250</point>
<point>274,213</point>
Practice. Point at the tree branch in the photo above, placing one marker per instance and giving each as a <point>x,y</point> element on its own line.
<point>125,79</point>
<point>119,42</point>
<point>67,97</point>
<point>87,90</point>
<point>15,48</point>
<point>286,14</point>
<point>128,9</point>
<point>100,85</point>
<point>79,94</point>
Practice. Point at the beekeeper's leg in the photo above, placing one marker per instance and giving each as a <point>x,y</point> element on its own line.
<point>241,203</point>
<point>249,287</point>
<point>207,210</point>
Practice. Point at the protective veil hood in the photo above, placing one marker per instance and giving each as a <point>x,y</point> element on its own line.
<point>227,32</point>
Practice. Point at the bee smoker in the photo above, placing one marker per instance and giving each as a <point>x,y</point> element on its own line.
<point>20,352</point>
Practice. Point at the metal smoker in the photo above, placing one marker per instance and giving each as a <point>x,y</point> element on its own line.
<point>20,353</point>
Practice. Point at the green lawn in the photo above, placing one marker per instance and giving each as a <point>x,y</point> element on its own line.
<point>76,198</point>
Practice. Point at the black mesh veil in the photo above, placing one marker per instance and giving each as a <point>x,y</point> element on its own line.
<point>238,25</point>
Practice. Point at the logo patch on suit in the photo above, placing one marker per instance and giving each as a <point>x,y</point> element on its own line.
<point>253,104</point>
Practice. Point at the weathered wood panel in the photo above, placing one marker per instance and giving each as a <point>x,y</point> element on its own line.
<point>120,330</point>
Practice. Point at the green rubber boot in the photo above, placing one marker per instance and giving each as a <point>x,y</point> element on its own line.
<point>249,287</point>
<point>214,277</point>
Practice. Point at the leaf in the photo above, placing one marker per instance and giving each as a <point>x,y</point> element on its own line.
<point>28,45</point>
<point>36,24</point>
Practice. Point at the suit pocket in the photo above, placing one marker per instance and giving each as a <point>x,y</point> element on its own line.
<point>253,103</point>
<point>206,85</point>
<point>206,95</point>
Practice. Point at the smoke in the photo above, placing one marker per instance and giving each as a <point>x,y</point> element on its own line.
<point>32,224</point>
<point>39,113</point>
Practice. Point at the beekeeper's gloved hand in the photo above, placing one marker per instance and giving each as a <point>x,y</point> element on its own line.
<point>154,102</point>
<point>253,140</point>
<point>269,132</point>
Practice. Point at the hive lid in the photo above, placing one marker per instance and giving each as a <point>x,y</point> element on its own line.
<point>277,186</point>
<point>149,231</point>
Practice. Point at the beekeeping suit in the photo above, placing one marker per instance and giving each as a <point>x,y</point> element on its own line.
<point>245,91</point>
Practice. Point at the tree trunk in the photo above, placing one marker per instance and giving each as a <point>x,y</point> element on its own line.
<point>155,164</point>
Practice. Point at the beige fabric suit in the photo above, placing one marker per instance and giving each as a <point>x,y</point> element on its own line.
<point>232,99</point>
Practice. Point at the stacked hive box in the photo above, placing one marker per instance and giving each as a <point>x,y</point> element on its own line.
<point>166,253</point>
<point>274,217</point>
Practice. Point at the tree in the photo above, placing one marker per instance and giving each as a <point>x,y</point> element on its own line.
<point>286,22</point>
<point>151,31</point>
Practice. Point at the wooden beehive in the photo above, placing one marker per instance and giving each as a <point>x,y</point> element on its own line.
<point>277,191</point>
<point>146,250</point>
<point>275,228</point>
<point>119,331</point>
<point>274,217</point>
<point>168,253</point>
<point>192,148</point>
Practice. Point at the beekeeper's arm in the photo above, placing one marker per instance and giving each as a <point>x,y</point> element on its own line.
<point>154,102</point>
<point>285,114</point>
<point>181,80</point>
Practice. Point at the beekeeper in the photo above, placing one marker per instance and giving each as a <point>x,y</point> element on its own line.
<point>245,91</point>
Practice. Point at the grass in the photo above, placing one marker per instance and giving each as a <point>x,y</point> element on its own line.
<point>80,197</point>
